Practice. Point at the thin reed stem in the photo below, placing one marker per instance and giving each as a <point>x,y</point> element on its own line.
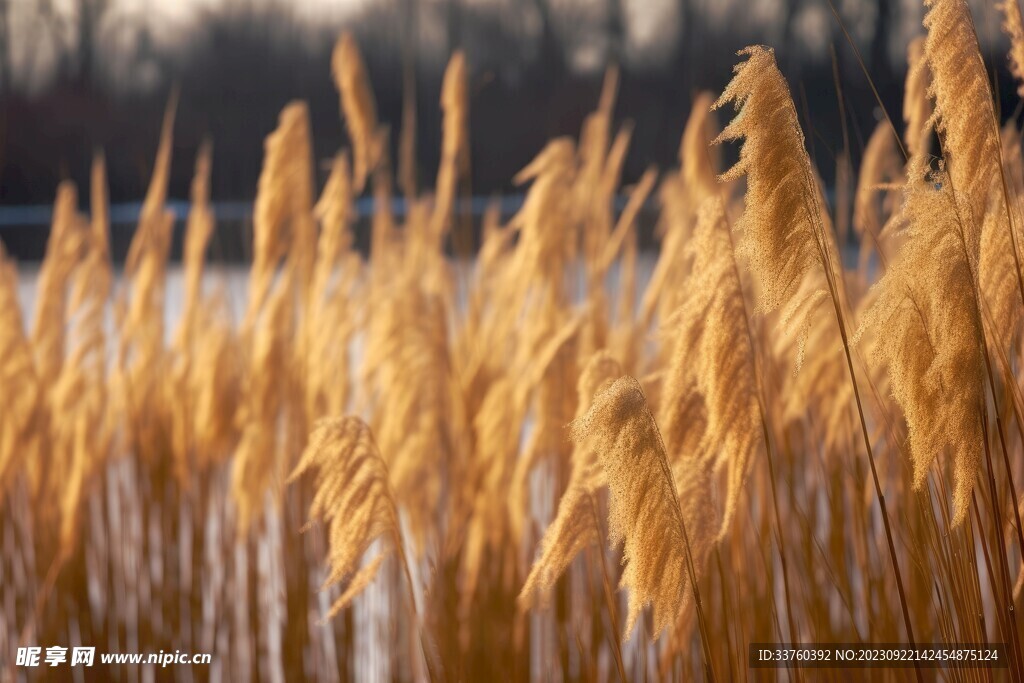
<point>609,596</point>
<point>691,572</point>
<point>871,82</point>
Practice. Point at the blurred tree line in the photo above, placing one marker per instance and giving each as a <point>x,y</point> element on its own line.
<point>87,74</point>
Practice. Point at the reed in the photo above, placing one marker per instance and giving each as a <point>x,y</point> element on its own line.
<point>559,457</point>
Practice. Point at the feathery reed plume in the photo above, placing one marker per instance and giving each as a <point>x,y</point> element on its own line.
<point>260,465</point>
<point>203,378</point>
<point>611,175</point>
<point>146,263</point>
<point>681,194</point>
<point>63,249</point>
<point>334,211</point>
<point>932,340</point>
<point>682,410</point>
<point>575,526</point>
<point>545,247</point>
<point>282,218</point>
<point>358,105</point>
<point>215,378</point>
<point>142,357</point>
<point>784,229</point>
<point>419,416</point>
<point>784,225</point>
<point>352,497</point>
<point>553,364</point>
<point>917,103</point>
<point>780,238</point>
<point>644,510</point>
<point>878,166</point>
<point>961,92</point>
<point>971,146</point>
<point>156,193</point>
<point>330,322</point>
<point>81,443</point>
<point>595,219</point>
<point>997,273</point>
<point>198,230</point>
<point>997,269</point>
<point>454,141</point>
<point>1013,26</point>
<point>725,357</point>
<point>284,231</point>
<point>699,160</point>
<point>297,147</point>
<point>17,376</point>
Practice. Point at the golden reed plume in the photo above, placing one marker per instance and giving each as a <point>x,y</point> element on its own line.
<point>576,525</point>
<point>644,509</point>
<point>352,497</point>
<point>930,339</point>
<point>359,106</point>
<point>780,237</point>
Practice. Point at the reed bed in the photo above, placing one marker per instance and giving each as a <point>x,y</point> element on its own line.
<point>537,464</point>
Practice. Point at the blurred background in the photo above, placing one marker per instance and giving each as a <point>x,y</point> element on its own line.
<point>82,75</point>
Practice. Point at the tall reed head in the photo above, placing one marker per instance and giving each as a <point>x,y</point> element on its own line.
<point>358,105</point>
<point>352,496</point>
<point>780,238</point>
<point>644,509</point>
<point>930,338</point>
<point>963,115</point>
